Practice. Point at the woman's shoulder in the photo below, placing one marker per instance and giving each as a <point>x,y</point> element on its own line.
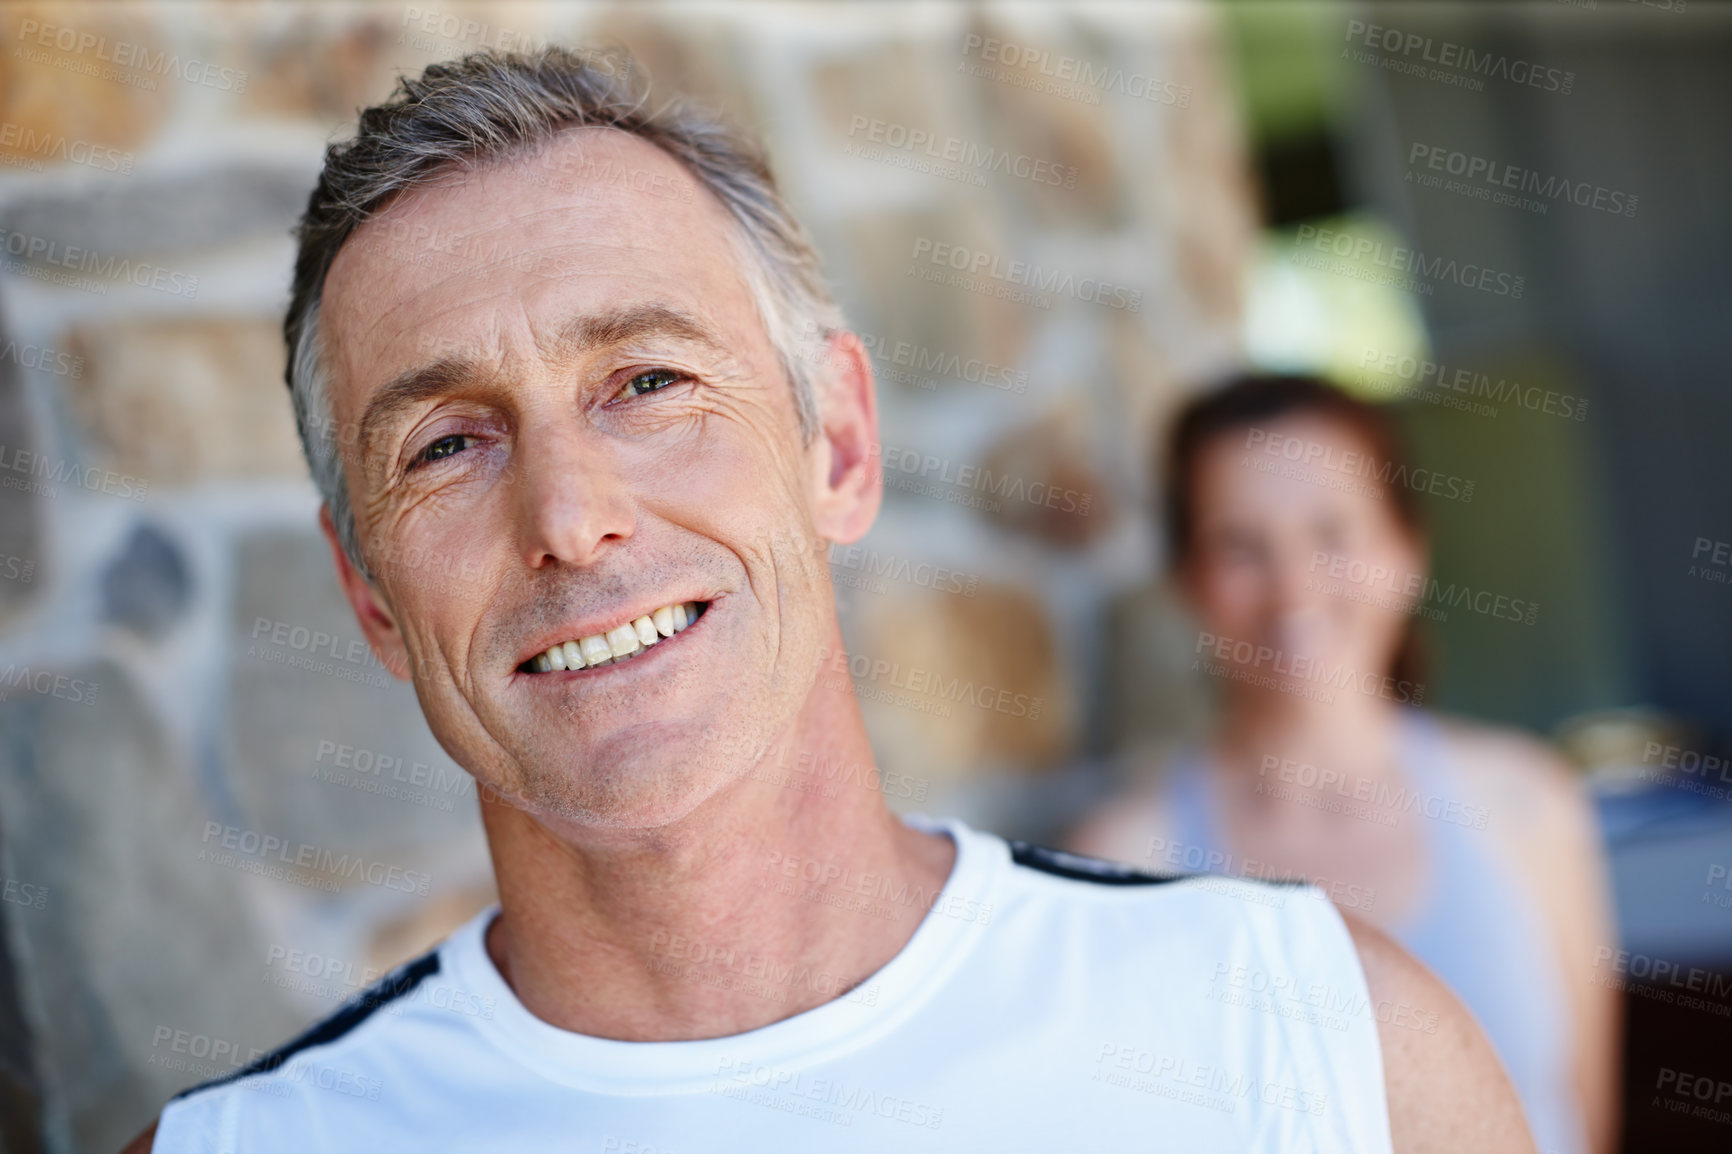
<point>1505,755</point>
<point>1525,785</point>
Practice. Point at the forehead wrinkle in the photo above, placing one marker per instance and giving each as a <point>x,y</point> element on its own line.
<point>481,294</point>
<point>458,243</point>
<point>388,230</point>
<point>380,235</point>
<point>613,326</point>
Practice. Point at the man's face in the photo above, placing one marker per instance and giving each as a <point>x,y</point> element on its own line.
<point>568,415</point>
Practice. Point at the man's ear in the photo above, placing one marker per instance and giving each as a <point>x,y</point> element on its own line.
<point>847,482</point>
<point>377,621</point>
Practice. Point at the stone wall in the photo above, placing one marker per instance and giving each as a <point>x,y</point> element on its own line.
<point>187,699</point>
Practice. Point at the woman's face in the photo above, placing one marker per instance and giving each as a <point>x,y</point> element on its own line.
<point>1299,549</point>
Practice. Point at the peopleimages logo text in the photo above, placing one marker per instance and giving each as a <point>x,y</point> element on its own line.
<point>1023,274</point>
<point>1298,667</point>
<point>1438,375</point>
<point>1499,175</point>
<point>1409,260</point>
<point>43,250</point>
<point>958,151</point>
<point>1448,54</point>
<point>1353,463</point>
<point>1076,70</point>
<point>126,54</point>
<point>343,866</point>
<point>56,146</point>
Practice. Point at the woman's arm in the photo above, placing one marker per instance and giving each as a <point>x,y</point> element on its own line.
<point>1543,818</point>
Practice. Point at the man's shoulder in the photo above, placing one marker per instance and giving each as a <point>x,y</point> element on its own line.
<point>1078,867</point>
<point>1236,978</point>
<point>1446,1089</point>
<point>1134,913</point>
<point>1063,873</point>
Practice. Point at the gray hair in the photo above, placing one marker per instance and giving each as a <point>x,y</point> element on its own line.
<point>491,107</point>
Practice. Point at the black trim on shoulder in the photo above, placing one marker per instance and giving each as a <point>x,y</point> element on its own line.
<point>355,1011</point>
<point>1082,868</point>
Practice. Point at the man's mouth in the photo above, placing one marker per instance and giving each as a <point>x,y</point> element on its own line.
<point>623,642</point>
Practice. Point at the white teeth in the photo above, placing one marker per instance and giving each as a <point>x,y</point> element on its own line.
<point>617,644</point>
<point>596,649</point>
<point>622,640</point>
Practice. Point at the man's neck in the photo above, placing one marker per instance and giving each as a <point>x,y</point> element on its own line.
<point>680,932</point>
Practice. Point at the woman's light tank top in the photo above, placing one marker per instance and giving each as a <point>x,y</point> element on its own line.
<point>1476,925</point>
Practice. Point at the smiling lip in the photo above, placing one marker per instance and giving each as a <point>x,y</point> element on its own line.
<point>626,641</point>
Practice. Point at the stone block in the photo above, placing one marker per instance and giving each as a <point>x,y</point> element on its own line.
<point>892,81</point>
<point>77,76</point>
<point>21,1099</point>
<point>174,401</point>
<point>889,301</point>
<point>325,748</point>
<point>1042,480</point>
<point>159,213</point>
<point>1059,121</point>
<point>21,543</point>
<point>421,34</point>
<point>1144,395</point>
<point>695,56</point>
<point>964,685</point>
<point>323,65</point>
<point>146,588</point>
<point>134,935</point>
<point>1210,196</point>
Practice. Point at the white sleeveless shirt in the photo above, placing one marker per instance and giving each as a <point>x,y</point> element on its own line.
<point>1047,1002</point>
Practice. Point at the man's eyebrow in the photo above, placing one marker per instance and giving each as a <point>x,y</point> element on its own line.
<point>408,389</point>
<point>631,323</point>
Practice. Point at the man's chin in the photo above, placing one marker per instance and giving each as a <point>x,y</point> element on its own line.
<point>619,793</point>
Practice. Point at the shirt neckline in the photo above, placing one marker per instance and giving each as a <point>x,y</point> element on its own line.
<point>951,928</point>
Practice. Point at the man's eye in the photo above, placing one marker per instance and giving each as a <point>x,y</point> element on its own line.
<point>648,382</point>
<point>444,447</point>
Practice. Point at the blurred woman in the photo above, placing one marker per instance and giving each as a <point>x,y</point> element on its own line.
<point>1295,535</point>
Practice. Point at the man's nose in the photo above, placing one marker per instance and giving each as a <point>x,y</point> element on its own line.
<point>571,501</point>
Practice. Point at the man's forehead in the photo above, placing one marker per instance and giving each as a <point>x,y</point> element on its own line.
<point>605,171</point>
<point>594,213</point>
